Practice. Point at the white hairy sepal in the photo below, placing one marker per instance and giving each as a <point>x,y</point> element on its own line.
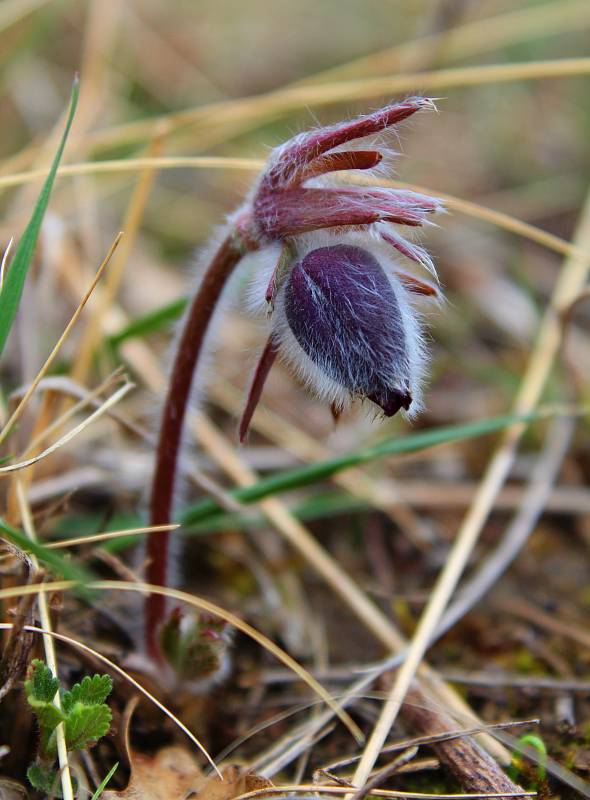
<point>310,374</point>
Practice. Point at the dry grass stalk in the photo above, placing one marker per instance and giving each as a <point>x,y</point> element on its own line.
<point>570,282</point>
<point>202,605</point>
<point>50,655</point>
<point>57,347</point>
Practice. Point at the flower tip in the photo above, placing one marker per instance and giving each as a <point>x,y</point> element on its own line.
<point>422,103</point>
<point>391,401</point>
<point>243,429</point>
<point>429,104</point>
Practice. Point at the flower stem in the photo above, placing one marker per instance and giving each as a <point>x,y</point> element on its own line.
<point>189,348</point>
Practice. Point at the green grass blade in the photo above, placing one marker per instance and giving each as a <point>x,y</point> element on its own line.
<point>318,506</point>
<point>206,517</point>
<point>312,473</point>
<point>104,782</point>
<point>149,323</point>
<point>49,558</point>
<point>14,280</point>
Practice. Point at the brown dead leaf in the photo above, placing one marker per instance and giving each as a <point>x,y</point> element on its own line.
<point>173,774</point>
<point>236,781</point>
<point>12,790</point>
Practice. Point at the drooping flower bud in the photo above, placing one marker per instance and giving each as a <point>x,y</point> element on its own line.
<point>343,311</point>
<point>343,314</point>
<point>344,321</point>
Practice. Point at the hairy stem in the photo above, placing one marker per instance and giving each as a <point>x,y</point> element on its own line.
<point>189,348</point>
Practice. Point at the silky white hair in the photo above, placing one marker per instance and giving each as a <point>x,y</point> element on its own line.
<point>305,369</point>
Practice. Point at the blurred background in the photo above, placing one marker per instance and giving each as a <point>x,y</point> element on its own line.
<point>182,79</point>
<point>164,79</point>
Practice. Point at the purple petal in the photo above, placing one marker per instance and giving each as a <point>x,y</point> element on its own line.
<point>410,250</point>
<point>296,211</point>
<point>303,149</point>
<point>343,312</point>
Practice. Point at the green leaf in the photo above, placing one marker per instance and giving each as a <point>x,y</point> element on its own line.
<point>41,688</point>
<point>42,685</point>
<point>91,691</point>
<point>303,476</point>
<point>48,716</point>
<point>317,506</point>
<point>14,280</point>
<point>149,323</point>
<point>44,779</point>
<point>104,782</point>
<point>50,558</point>
<point>86,724</point>
<point>535,742</point>
<point>85,716</point>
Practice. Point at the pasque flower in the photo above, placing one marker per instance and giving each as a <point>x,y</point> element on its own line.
<point>342,311</point>
<point>342,308</point>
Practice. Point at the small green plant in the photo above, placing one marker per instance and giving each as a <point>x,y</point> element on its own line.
<point>196,646</point>
<point>84,714</point>
<point>518,767</point>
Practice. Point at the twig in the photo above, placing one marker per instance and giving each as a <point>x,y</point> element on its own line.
<point>460,755</point>
<point>436,738</point>
<point>383,774</point>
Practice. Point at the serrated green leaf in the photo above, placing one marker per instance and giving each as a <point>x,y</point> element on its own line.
<point>41,688</point>
<point>48,744</point>
<point>14,280</point>
<point>44,779</point>
<point>86,724</point>
<point>90,691</point>
<point>42,685</point>
<point>48,715</point>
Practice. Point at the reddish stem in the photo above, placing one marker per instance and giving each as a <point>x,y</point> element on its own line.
<point>179,388</point>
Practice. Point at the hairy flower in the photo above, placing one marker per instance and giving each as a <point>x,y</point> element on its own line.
<point>342,312</point>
